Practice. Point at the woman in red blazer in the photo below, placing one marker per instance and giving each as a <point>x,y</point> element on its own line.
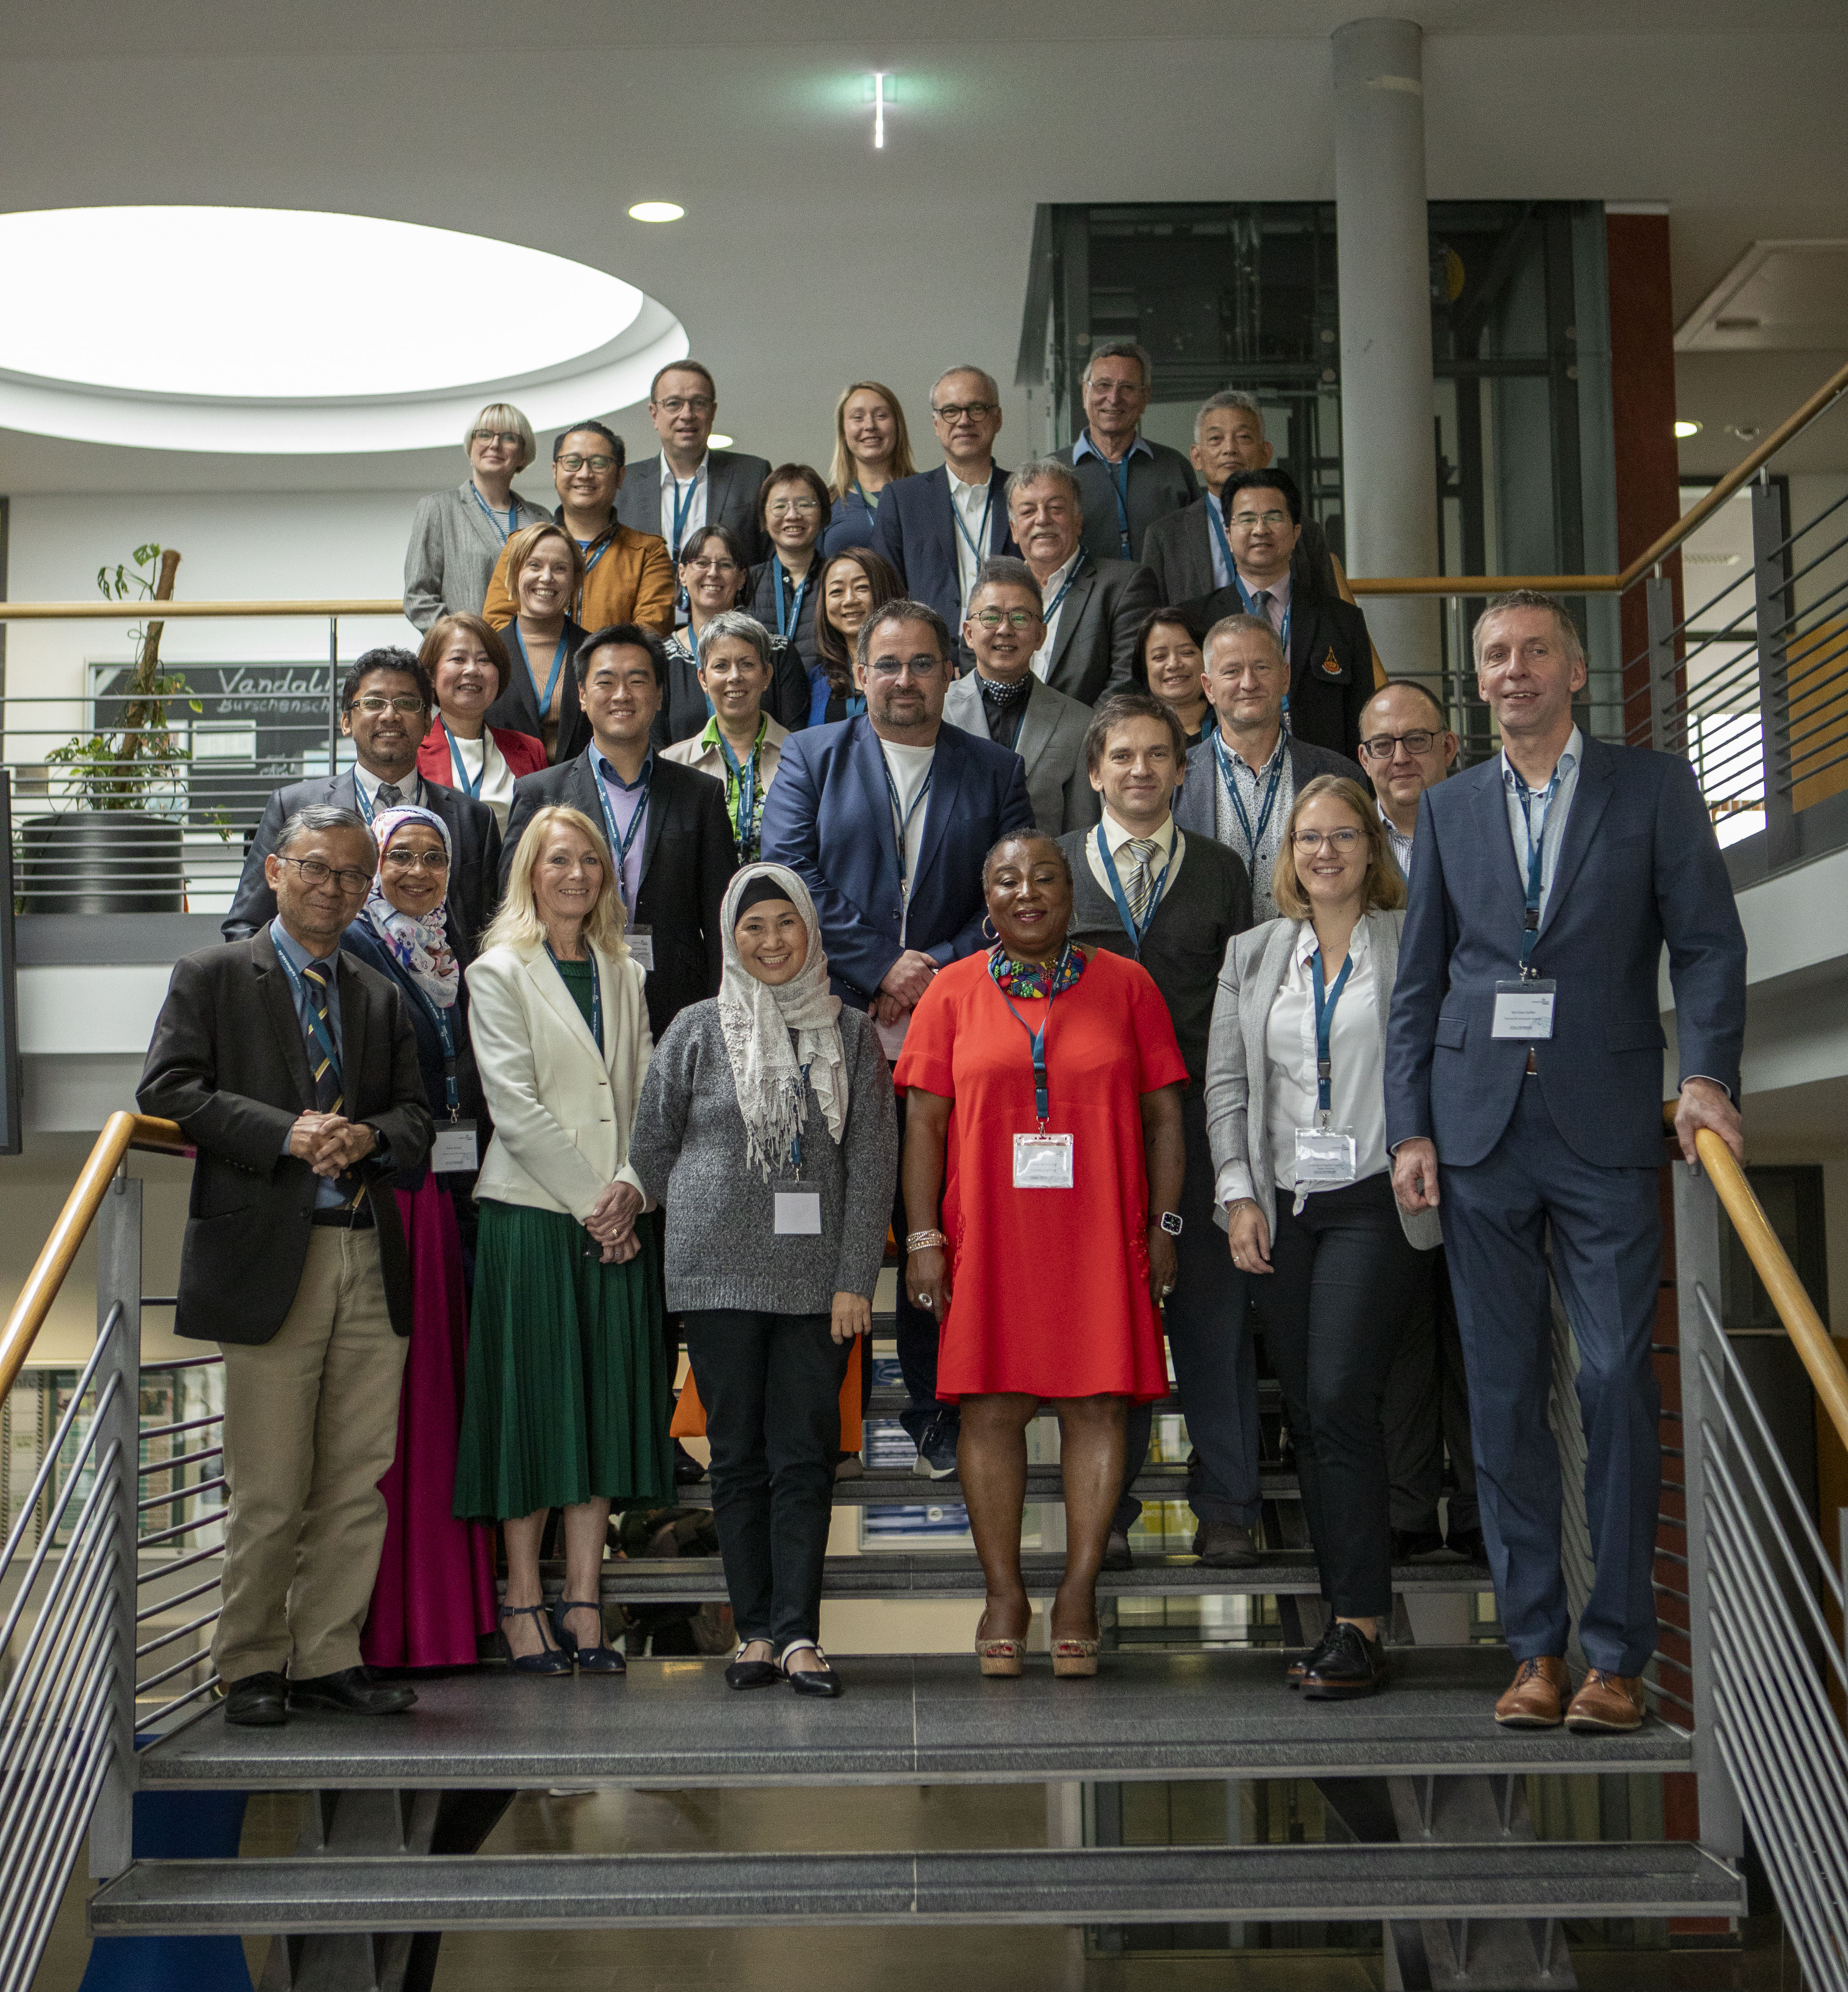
<point>468,663</point>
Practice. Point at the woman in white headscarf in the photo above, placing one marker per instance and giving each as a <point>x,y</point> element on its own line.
<point>767,1131</point>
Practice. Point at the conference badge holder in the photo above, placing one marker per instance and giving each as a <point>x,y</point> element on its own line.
<point>641,947</point>
<point>1524,1009</point>
<point>798,1211</point>
<point>457,1147</point>
<point>1042,1161</point>
<point>1324,1155</point>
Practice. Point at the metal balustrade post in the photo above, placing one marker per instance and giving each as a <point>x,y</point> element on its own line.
<point>1697,1269</point>
<point>118,1232</point>
<point>1668,727</point>
<point>333,697</point>
<point>1770,594</point>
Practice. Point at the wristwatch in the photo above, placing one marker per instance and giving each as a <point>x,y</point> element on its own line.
<point>1170,1222</point>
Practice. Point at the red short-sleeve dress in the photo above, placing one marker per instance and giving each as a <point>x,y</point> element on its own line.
<point>1049,1287</point>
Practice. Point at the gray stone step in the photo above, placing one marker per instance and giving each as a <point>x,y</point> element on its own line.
<point>928,1719</point>
<point>1144,1884</point>
<point>889,1400</point>
<point>881,1486</point>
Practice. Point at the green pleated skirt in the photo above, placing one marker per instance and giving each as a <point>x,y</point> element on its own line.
<point>568,1396</point>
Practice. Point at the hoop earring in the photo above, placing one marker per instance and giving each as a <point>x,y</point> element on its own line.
<point>989,932</point>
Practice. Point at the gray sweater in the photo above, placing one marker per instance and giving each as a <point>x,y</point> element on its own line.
<point>688,1147</point>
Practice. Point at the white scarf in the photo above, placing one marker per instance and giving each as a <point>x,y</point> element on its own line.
<point>756,1020</point>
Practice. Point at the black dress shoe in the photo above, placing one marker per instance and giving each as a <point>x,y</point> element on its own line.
<point>752,1673</point>
<point>1352,1665</point>
<point>258,1701</point>
<point>1224,1545</point>
<point>1468,1544</point>
<point>687,1469</point>
<point>353,1691</point>
<point>1414,1545</point>
<point>822,1680</point>
<point>1116,1554</point>
<point>1303,1662</point>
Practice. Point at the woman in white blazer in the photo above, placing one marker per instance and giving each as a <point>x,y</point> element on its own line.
<point>1296,1113</point>
<point>568,1397</point>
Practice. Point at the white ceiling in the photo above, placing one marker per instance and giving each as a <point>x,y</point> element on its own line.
<point>807,260</point>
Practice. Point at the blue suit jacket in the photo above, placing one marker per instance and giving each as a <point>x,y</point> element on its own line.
<point>1638,866</point>
<point>916,530</point>
<point>828,816</point>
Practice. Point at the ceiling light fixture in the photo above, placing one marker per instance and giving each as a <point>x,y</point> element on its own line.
<point>715,440</point>
<point>1684,429</point>
<point>655,211</point>
<point>882,96</point>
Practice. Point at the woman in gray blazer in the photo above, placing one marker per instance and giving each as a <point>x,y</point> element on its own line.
<point>1296,1113</point>
<point>456,535</point>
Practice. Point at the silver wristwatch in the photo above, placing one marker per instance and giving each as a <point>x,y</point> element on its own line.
<point>1170,1222</point>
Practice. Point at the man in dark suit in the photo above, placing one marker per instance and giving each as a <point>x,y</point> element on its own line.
<point>666,824</point>
<point>1094,608</point>
<point>938,527</point>
<point>687,485</point>
<point>1242,779</point>
<point>386,706</point>
<point>1523,1082</point>
<point>1127,483</point>
<point>292,1068</point>
<point>1331,655</point>
<point>887,818</point>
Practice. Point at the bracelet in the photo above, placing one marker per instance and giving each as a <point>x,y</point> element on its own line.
<point>924,1241</point>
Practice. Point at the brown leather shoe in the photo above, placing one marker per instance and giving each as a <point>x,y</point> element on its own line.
<point>1534,1697</point>
<point>1606,1702</point>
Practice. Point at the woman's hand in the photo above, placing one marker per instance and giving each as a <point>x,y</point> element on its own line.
<point>927,1280</point>
<point>612,1217</point>
<point>1249,1237</point>
<point>619,1251</point>
<point>853,1315</point>
<point>1164,1264</point>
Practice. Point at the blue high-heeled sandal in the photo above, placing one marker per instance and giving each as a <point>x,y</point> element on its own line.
<point>597,1660</point>
<point>548,1660</point>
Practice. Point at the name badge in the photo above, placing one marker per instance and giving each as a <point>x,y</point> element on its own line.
<point>1524,1010</point>
<point>798,1212</point>
<point>641,946</point>
<point>1042,1161</point>
<point>457,1147</point>
<point>1324,1155</point>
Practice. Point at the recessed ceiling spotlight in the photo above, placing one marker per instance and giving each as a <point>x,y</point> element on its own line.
<point>715,440</point>
<point>1745,432</point>
<point>880,93</point>
<point>655,211</point>
<point>1684,429</point>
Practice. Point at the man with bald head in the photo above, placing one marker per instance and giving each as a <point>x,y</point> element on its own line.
<point>1406,747</point>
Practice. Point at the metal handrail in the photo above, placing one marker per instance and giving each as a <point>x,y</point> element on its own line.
<point>120,611</point>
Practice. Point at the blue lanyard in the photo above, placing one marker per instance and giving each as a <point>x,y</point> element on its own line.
<point>1053,607</point>
<point>901,818</point>
<point>551,684</point>
<point>512,514</point>
<point>443,1021</point>
<point>682,505</point>
<point>1136,934</point>
<point>596,991</point>
<point>801,1108</point>
<point>1537,851</point>
<point>1219,539</point>
<point>977,540</point>
<point>619,842</point>
<point>1041,1103</point>
<point>787,619</point>
<point>872,503</point>
<point>584,547</point>
<point>1253,838</point>
<point>745,776</point>
<point>471,789</point>
<point>1283,635</point>
<point>1121,488</point>
<point>1324,1025</point>
<point>363,802</point>
<point>317,1029</point>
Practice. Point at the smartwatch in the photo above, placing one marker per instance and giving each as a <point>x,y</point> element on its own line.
<point>1170,1222</point>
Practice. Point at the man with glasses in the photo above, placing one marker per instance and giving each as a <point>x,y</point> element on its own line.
<point>292,1069</point>
<point>1002,699</point>
<point>386,707</point>
<point>628,577</point>
<point>938,527</point>
<point>1127,482</point>
<point>887,818</point>
<point>688,485</point>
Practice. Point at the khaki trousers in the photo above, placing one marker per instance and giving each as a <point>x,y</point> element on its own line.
<point>311,1422</point>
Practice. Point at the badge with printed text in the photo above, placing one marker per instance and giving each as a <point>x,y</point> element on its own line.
<point>798,1211</point>
<point>456,1148</point>
<point>1042,1161</point>
<point>1524,1010</point>
<point>641,947</point>
<point>1325,1155</point>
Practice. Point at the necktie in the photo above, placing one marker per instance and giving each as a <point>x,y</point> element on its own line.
<point>1260,603</point>
<point>389,796</point>
<point>1143,850</point>
<point>327,1084</point>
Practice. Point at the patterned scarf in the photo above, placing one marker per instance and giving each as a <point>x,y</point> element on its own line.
<point>1033,979</point>
<point>418,943</point>
<point>1003,697</point>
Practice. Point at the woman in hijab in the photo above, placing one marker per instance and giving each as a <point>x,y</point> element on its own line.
<point>435,1587</point>
<point>767,1132</point>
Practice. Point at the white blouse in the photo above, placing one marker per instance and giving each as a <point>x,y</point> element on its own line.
<point>1357,1079</point>
<point>496,783</point>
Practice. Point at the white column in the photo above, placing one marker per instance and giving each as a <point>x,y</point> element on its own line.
<point>1389,450</point>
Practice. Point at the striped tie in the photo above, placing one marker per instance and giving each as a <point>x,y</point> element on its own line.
<point>1142,881</point>
<point>327,1083</point>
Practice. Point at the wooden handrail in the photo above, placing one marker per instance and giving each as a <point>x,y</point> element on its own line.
<point>1486,584</point>
<point>121,1132</point>
<point>126,611</point>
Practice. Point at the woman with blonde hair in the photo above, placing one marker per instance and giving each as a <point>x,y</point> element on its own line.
<point>568,1397</point>
<point>545,569</point>
<point>1295,1114</point>
<point>456,535</point>
<point>872,449</point>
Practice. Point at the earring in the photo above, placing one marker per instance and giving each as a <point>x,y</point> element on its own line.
<point>989,932</point>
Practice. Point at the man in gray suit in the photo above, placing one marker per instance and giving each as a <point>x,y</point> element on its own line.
<point>688,485</point>
<point>1002,699</point>
<point>1092,608</point>
<point>1243,776</point>
<point>1128,482</point>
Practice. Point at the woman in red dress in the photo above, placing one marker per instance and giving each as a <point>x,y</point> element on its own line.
<point>1054,1141</point>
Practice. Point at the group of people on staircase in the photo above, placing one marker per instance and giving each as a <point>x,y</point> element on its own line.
<point>694,912</point>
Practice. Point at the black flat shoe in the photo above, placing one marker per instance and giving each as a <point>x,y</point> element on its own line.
<point>601,1659</point>
<point>258,1701</point>
<point>743,1673</point>
<point>1351,1666</point>
<point>822,1681</point>
<point>550,1660</point>
<point>353,1691</point>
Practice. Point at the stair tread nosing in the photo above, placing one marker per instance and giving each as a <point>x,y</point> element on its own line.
<point>899,1485</point>
<point>1144,1884</point>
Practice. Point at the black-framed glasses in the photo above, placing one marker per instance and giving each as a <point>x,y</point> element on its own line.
<point>599,464</point>
<point>1421,740</point>
<point>376,702</point>
<point>414,861</point>
<point>315,872</point>
<point>955,411</point>
<point>1016,618</point>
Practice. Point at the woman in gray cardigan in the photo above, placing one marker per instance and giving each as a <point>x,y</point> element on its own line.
<point>767,1131</point>
<point>456,535</point>
<point>1295,1114</point>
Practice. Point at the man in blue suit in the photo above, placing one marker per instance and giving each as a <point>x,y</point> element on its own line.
<point>887,819</point>
<point>1523,1075</point>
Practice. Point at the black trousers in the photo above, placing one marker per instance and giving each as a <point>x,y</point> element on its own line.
<point>771,1385</point>
<point>1333,1308</point>
<point>915,1332</point>
<point>1427,1413</point>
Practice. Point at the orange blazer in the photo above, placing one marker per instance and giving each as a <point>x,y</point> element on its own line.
<point>632,581</point>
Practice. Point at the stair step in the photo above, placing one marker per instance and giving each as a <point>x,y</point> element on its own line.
<point>889,1400</point>
<point>1095,1885</point>
<point>906,1719</point>
<point>880,1486</point>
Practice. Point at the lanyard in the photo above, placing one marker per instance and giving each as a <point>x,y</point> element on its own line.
<point>589,564</point>
<point>872,503</point>
<point>974,541</point>
<point>471,789</point>
<point>596,991</point>
<point>1283,635</point>
<point>741,779</point>
<point>1324,1024</point>
<point>801,1108</point>
<point>787,618</point>
<point>1219,539</point>
<point>1121,486</point>
<point>683,506</point>
<point>901,818</point>
<point>1058,602</point>
<point>445,1023</point>
<point>551,684</point>
<point>1536,850</point>
<point>1041,1104</point>
<point>619,842</point>
<point>1136,934</point>
<point>317,1028</point>
<point>1253,838</point>
<point>493,518</point>
<point>365,805</point>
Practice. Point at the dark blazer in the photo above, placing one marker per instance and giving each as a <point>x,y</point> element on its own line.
<point>1638,867</point>
<point>759,599</point>
<point>916,531</point>
<point>1331,663</point>
<point>517,708</point>
<point>1160,484</point>
<point>733,481</point>
<point>229,1062</point>
<point>1194,810</point>
<point>852,522</point>
<point>688,857</point>
<point>1178,551</point>
<point>684,711</point>
<point>1097,624</point>
<point>828,816</point>
<point>474,868</point>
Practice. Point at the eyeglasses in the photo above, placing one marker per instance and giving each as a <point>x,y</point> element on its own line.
<point>375,703</point>
<point>599,464</point>
<point>314,872</point>
<point>1340,841</point>
<point>919,667</point>
<point>781,508</point>
<point>723,565</point>
<point>692,404</point>
<point>1248,520</point>
<point>503,436</point>
<point>955,411</point>
<point>1016,618</point>
<point>1421,740</point>
<point>415,860</point>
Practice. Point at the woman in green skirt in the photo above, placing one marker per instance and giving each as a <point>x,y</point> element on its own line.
<point>568,1396</point>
